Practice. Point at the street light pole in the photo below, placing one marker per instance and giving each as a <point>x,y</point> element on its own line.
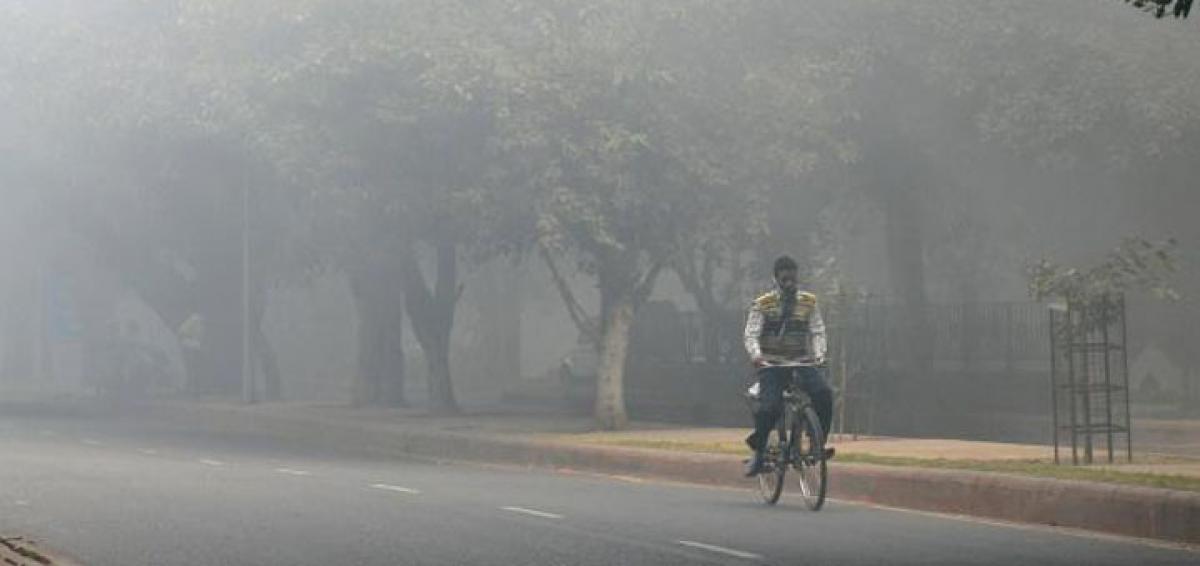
<point>248,392</point>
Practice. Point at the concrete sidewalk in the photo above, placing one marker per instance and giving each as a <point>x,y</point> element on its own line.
<point>729,440</point>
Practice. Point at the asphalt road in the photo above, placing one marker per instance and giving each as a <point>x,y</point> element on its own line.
<point>118,492</point>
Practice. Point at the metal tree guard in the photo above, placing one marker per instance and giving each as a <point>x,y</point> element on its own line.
<point>1089,377</point>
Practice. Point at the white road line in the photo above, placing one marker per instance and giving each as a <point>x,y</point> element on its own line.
<point>49,433</point>
<point>721,550</point>
<point>396,488</point>
<point>212,463</point>
<point>292,472</point>
<point>533,512</point>
<point>21,503</point>
<point>148,452</point>
<point>91,442</point>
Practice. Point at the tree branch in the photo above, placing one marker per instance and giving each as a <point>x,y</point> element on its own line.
<point>574,309</point>
<point>735,279</point>
<point>646,286</point>
<point>418,299</point>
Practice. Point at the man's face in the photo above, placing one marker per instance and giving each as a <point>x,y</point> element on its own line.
<point>786,279</point>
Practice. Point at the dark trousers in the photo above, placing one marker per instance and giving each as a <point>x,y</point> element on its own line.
<point>771,383</point>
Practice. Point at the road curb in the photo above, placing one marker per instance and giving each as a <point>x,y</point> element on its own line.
<point>20,551</point>
<point>1142,512</point>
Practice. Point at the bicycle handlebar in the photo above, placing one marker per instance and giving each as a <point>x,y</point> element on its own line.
<point>792,365</point>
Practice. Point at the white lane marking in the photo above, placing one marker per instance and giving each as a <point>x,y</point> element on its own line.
<point>721,550</point>
<point>533,512</point>
<point>148,452</point>
<point>292,472</point>
<point>213,463</point>
<point>396,488</point>
<point>49,433</point>
<point>21,503</point>
<point>91,442</point>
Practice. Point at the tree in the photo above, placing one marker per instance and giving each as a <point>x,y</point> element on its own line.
<point>386,114</point>
<point>750,132</point>
<point>1136,264</point>
<point>118,87</point>
<point>623,120</point>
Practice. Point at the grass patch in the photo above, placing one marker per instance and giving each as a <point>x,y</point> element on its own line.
<point>1032,468</point>
<point>658,444</point>
<point>1035,468</point>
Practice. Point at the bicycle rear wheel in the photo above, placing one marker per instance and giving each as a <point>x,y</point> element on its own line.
<point>770,480</point>
<point>807,451</point>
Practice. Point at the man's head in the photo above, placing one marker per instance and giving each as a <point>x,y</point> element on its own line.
<point>786,272</point>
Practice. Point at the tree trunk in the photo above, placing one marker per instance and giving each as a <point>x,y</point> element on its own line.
<point>272,381</point>
<point>622,291</point>
<point>711,319</point>
<point>906,254</point>
<point>698,282</point>
<point>264,359</point>
<point>441,389</point>
<point>366,378</point>
<point>380,376</point>
<point>218,362</point>
<point>906,266</point>
<point>445,300</point>
<point>500,322</point>
<point>18,318</point>
<point>610,391</point>
<point>222,352</point>
<point>432,314</point>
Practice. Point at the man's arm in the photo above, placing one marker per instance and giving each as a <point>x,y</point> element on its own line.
<point>816,329</point>
<point>754,324</point>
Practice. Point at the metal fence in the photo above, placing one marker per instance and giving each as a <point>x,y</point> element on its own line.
<point>979,366</point>
<point>952,370</point>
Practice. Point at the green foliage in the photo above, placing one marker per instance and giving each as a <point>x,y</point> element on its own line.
<point>1072,85</point>
<point>622,135</point>
<point>1136,264</point>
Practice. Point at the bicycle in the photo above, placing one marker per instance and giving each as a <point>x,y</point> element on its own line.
<point>796,442</point>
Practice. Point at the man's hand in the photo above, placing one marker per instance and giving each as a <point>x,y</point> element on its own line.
<point>759,362</point>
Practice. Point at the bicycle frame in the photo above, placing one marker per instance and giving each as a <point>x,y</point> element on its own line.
<point>788,453</point>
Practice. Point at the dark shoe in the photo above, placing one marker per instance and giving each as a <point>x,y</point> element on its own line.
<point>750,442</point>
<point>755,465</point>
<point>829,452</point>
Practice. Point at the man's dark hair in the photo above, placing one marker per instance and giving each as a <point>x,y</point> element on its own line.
<point>785,263</point>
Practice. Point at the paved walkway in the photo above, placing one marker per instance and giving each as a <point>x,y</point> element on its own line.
<point>730,440</point>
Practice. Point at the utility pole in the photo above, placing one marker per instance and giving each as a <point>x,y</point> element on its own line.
<point>248,390</point>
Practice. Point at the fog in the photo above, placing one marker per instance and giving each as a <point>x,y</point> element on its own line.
<point>437,201</point>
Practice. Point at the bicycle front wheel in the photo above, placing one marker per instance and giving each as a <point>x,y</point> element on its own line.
<point>807,448</point>
<point>775,465</point>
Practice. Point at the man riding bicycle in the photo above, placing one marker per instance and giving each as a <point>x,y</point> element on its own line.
<point>785,338</point>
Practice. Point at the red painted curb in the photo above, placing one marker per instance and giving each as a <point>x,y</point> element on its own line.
<point>1111,508</point>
